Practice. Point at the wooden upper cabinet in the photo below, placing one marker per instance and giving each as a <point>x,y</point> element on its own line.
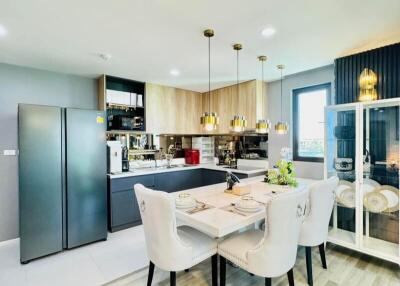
<point>251,102</point>
<point>172,110</point>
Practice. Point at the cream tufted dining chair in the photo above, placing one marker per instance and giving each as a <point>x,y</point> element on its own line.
<point>272,252</point>
<point>314,231</point>
<point>169,247</point>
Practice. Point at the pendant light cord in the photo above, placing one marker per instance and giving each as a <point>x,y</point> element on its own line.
<point>237,75</point>
<point>262,76</point>
<point>281,94</point>
<point>209,74</point>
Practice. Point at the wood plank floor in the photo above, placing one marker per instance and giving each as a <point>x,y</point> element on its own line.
<point>345,267</point>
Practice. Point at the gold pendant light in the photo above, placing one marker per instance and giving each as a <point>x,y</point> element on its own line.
<point>239,122</point>
<point>368,80</point>
<point>263,125</point>
<point>281,127</point>
<point>209,120</point>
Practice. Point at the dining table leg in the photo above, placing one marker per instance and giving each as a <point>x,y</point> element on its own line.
<point>222,269</point>
<point>214,269</point>
<point>172,278</point>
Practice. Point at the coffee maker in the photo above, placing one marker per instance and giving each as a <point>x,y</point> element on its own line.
<point>125,159</point>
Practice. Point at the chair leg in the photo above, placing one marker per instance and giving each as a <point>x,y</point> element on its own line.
<point>309,265</point>
<point>322,254</point>
<point>222,271</point>
<point>290,277</point>
<point>268,281</point>
<point>151,273</point>
<point>214,270</point>
<point>172,278</point>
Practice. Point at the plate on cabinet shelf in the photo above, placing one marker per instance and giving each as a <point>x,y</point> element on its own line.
<point>369,185</point>
<point>392,196</point>
<point>348,198</point>
<point>343,186</point>
<point>375,202</point>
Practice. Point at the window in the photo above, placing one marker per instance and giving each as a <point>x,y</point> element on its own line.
<point>308,122</point>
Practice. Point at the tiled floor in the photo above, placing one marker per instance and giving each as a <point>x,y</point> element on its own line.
<point>94,264</point>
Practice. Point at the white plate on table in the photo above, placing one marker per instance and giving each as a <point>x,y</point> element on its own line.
<point>247,204</point>
<point>186,207</point>
<point>248,210</point>
<point>185,201</point>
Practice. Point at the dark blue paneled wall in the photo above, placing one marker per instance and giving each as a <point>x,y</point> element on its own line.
<point>385,62</point>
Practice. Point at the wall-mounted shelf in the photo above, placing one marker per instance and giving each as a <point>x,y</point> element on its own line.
<point>124,103</point>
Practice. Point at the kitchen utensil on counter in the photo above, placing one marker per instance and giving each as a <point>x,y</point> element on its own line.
<point>192,156</point>
<point>125,159</point>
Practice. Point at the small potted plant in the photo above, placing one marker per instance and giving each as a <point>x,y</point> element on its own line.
<point>283,174</point>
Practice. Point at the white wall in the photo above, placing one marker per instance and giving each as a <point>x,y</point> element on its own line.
<point>276,142</point>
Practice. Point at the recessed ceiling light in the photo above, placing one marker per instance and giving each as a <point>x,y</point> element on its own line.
<point>268,32</point>
<point>3,31</point>
<point>174,72</point>
<point>105,56</point>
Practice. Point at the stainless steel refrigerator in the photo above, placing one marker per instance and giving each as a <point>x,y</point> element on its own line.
<point>62,179</point>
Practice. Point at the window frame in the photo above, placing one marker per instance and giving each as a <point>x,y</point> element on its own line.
<point>327,86</point>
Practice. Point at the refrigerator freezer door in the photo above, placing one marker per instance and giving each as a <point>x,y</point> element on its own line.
<point>86,180</point>
<point>40,187</point>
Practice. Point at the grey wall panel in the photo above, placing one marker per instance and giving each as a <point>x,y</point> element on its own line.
<point>27,85</point>
<point>276,142</point>
<point>40,194</point>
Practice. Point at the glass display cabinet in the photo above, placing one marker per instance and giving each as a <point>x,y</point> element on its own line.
<point>362,148</point>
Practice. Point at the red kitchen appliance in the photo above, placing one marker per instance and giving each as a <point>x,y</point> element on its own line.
<point>192,156</point>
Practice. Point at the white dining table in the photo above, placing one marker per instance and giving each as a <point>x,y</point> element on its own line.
<point>218,222</point>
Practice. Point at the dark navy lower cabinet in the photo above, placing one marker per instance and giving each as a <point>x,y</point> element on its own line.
<point>178,180</point>
<point>122,203</point>
<point>123,209</point>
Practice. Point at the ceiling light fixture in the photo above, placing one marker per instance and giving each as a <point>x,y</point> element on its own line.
<point>263,125</point>
<point>174,72</point>
<point>209,120</point>
<point>239,122</point>
<point>3,31</point>
<point>281,127</point>
<point>268,32</point>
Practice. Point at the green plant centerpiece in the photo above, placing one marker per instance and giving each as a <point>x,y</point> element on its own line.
<point>283,174</point>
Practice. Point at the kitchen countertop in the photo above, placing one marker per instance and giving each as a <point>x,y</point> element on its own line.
<point>248,170</point>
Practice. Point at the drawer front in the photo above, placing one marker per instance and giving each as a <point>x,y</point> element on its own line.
<point>124,208</point>
<point>122,184</point>
<point>241,176</point>
<point>178,181</point>
<point>211,177</point>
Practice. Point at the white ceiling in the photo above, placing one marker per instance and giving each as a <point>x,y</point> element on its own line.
<point>148,38</point>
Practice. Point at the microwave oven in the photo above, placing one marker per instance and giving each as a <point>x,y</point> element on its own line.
<point>123,122</point>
